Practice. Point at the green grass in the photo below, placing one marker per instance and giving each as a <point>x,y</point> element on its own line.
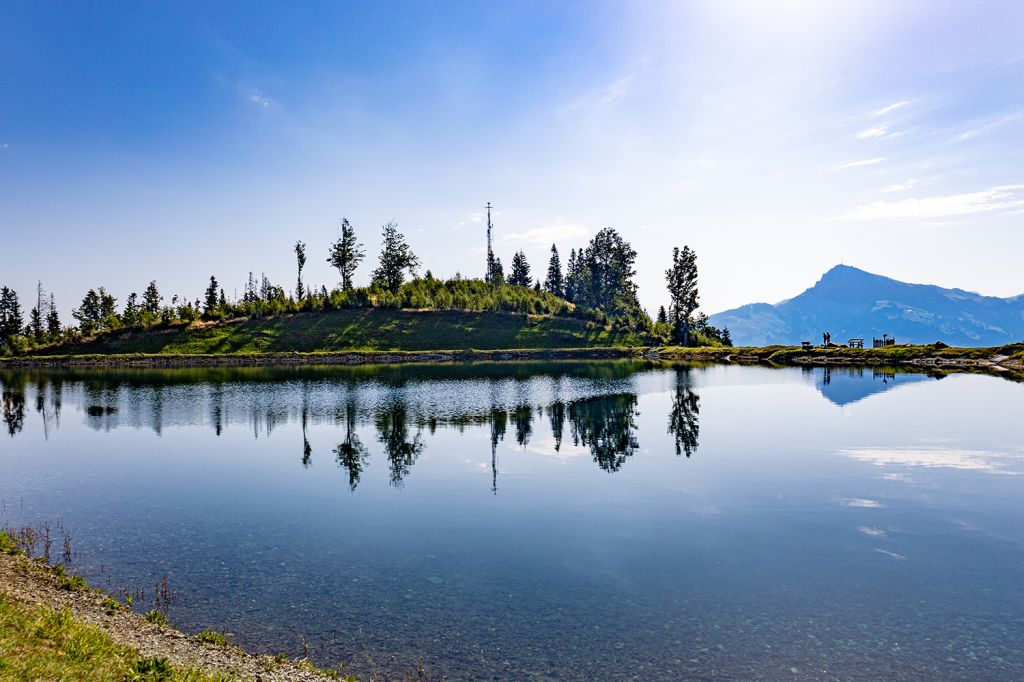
<point>49,644</point>
<point>156,617</point>
<point>213,637</point>
<point>372,329</point>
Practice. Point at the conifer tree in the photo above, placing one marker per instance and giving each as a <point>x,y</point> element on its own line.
<point>346,254</point>
<point>211,296</point>
<point>395,258</point>
<point>151,299</point>
<point>53,329</point>
<point>300,257</point>
<point>554,283</point>
<point>520,275</point>
<point>11,320</point>
<point>662,315</point>
<point>681,280</point>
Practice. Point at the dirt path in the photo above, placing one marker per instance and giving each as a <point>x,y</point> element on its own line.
<point>24,581</point>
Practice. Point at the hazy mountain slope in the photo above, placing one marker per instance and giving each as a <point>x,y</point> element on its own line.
<point>850,303</point>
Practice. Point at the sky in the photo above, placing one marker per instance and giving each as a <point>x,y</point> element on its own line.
<point>174,141</point>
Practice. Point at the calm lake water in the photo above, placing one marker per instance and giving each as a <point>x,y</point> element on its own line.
<point>547,521</point>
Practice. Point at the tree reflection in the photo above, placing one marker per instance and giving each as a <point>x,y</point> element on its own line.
<point>350,453</point>
<point>556,415</point>
<point>499,423</point>
<point>607,425</point>
<point>393,432</point>
<point>13,399</point>
<point>522,419</point>
<point>684,419</point>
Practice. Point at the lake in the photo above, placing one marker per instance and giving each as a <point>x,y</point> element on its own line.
<point>616,520</point>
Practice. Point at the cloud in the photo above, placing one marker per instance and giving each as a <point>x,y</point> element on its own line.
<point>547,235</point>
<point>974,132</point>
<point>900,186</point>
<point>1001,197</point>
<point>975,460</point>
<point>857,163</point>
<point>865,504</point>
<point>602,97</point>
<point>892,107</point>
<point>259,98</point>
<point>877,131</point>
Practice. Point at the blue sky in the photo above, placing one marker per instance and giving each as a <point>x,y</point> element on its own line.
<point>173,141</point>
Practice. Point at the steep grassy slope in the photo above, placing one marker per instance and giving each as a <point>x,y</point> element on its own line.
<point>360,329</point>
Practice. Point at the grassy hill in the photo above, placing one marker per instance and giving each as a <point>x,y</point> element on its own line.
<point>359,329</point>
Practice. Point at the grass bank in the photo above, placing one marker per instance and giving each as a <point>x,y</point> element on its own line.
<point>359,329</point>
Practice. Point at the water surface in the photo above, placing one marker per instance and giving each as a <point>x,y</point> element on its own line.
<point>547,521</point>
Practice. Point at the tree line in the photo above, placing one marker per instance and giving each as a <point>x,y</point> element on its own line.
<point>597,284</point>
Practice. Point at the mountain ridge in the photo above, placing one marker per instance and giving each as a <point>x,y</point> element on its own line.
<point>852,303</point>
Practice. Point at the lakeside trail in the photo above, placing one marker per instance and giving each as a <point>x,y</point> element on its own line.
<point>1007,361</point>
<point>26,585</point>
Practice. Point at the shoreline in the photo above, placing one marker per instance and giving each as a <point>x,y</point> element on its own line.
<point>32,590</point>
<point>1004,360</point>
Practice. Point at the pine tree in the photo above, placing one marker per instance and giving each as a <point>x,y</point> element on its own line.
<point>554,283</point>
<point>726,337</point>
<point>151,299</point>
<point>211,296</point>
<point>520,275</point>
<point>300,257</point>
<point>346,254</point>
<point>571,277</point>
<point>662,315</point>
<point>53,329</point>
<point>130,315</point>
<point>681,280</point>
<point>395,258</point>
<point>11,321</point>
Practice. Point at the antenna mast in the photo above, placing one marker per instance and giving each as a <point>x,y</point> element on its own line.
<point>490,251</point>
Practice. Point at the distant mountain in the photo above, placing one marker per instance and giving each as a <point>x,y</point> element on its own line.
<point>851,303</point>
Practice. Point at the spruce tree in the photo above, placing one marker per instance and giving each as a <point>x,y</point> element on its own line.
<point>554,282</point>
<point>346,254</point>
<point>520,275</point>
<point>681,281</point>
<point>662,315</point>
<point>211,296</point>
<point>11,320</point>
<point>395,258</point>
<point>151,299</point>
<point>53,329</point>
<point>300,257</point>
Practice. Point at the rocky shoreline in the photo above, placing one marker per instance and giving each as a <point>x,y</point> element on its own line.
<point>31,584</point>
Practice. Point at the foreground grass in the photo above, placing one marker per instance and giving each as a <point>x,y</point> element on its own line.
<point>44,643</point>
<point>373,329</point>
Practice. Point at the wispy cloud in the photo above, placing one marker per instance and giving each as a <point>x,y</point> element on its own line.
<point>604,96</point>
<point>547,235</point>
<point>259,98</point>
<point>974,132</point>
<point>892,107</point>
<point>857,163</point>
<point>877,131</point>
<point>996,198</point>
<point>901,186</point>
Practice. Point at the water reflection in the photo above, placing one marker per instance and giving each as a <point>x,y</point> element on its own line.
<point>403,404</point>
<point>684,420</point>
<point>882,538</point>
